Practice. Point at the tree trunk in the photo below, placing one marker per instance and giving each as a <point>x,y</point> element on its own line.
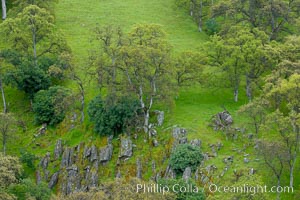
<point>3,9</point>
<point>200,17</point>
<point>278,185</point>
<point>3,97</point>
<point>34,46</point>
<point>236,94</point>
<point>292,174</point>
<point>4,145</point>
<point>248,88</point>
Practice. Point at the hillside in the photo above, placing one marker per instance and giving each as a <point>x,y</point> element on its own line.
<point>71,156</point>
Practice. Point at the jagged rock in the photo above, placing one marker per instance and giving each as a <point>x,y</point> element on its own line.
<point>67,157</point>
<point>160,117</point>
<point>42,130</point>
<point>197,175</point>
<point>87,152</point>
<point>211,168</point>
<point>45,161</point>
<point>46,175</point>
<point>38,177</point>
<point>214,151</point>
<point>94,179</point>
<point>155,143</point>
<point>228,160</point>
<point>196,142</point>
<point>179,135</point>
<point>126,148</point>
<point>53,181</point>
<point>94,154</point>
<point>58,149</point>
<point>152,132</point>
<point>73,181</point>
<point>153,166</point>
<point>221,120</point>
<point>138,169</point>
<point>106,153</point>
<point>187,174</point>
<point>87,172</point>
<point>119,174</point>
<point>169,173</point>
<point>219,145</point>
<point>252,171</point>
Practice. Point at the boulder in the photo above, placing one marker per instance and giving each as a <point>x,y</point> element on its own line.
<point>138,169</point>
<point>169,174</point>
<point>94,153</point>
<point>38,177</point>
<point>87,152</point>
<point>180,136</point>
<point>187,174</point>
<point>126,148</point>
<point>160,117</point>
<point>155,142</point>
<point>118,175</point>
<point>58,149</point>
<point>221,120</point>
<point>53,181</point>
<point>45,161</point>
<point>228,160</point>
<point>67,157</point>
<point>196,142</point>
<point>246,160</point>
<point>105,153</point>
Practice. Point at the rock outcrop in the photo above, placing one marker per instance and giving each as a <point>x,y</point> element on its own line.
<point>126,148</point>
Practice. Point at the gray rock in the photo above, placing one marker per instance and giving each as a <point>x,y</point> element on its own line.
<point>138,169</point>
<point>87,152</point>
<point>221,120</point>
<point>106,153</point>
<point>246,160</point>
<point>58,149</point>
<point>38,177</point>
<point>252,171</point>
<point>126,148</point>
<point>180,136</point>
<point>153,165</point>
<point>152,132</point>
<point>94,179</point>
<point>155,143</point>
<point>53,181</point>
<point>179,132</point>
<point>94,153</point>
<point>73,180</point>
<point>187,174</point>
<point>196,142</point>
<point>169,174</point>
<point>45,161</point>
<point>228,160</point>
<point>119,174</point>
<point>211,169</point>
<point>67,157</point>
<point>160,117</point>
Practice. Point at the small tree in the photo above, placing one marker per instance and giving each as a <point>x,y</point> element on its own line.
<point>50,106</point>
<point>7,128</point>
<point>112,117</point>
<point>185,155</point>
<point>10,170</point>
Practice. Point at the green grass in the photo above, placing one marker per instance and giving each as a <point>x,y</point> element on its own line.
<point>77,19</point>
<point>193,108</point>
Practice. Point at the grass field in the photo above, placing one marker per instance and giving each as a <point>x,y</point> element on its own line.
<point>193,108</point>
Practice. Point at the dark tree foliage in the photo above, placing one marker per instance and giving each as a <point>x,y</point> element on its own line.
<point>50,105</point>
<point>113,116</point>
<point>185,155</point>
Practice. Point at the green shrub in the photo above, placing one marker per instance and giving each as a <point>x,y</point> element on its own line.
<point>185,155</point>
<point>212,27</point>
<point>50,105</point>
<point>113,116</point>
<point>28,159</point>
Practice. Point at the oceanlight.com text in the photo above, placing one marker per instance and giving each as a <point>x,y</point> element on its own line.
<point>250,189</point>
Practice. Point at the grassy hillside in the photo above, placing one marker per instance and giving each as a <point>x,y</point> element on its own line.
<point>193,107</point>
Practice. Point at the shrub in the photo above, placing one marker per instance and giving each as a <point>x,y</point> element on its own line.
<point>50,105</point>
<point>185,155</point>
<point>112,116</point>
<point>212,27</point>
<point>28,159</point>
